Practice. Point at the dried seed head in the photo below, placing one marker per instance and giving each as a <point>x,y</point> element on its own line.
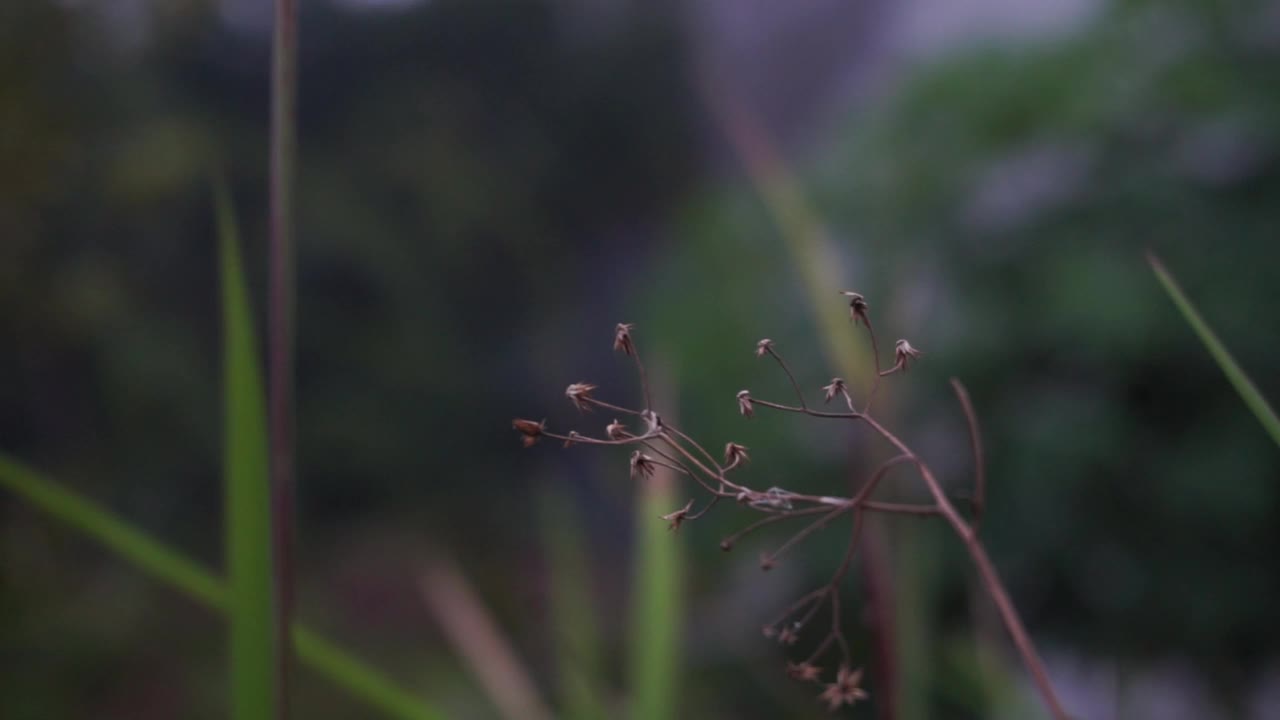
<point>642,465</point>
<point>767,564</point>
<point>744,404</point>
<point>787,636</point>
<point>857,307</point>
<point>835,388</point>
<point>904,353</point>
<point>678,517</point>
<point>579,394</point>
<point>652,420</point>
<point>846,690</point>
<point>616,430</point>
<point>764,347</point>
<point>622,338</point>
<point>804,672</point>
<point>529,430</point>
<point>735,453</point>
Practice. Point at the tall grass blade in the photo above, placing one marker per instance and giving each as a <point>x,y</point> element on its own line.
<point>246,484</point>
<point>187,576</point>
<point>656,600</point>
<point>574,625</point>
<point>1243,385</point>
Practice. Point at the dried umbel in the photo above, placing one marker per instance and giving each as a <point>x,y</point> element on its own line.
<point>660,444</point>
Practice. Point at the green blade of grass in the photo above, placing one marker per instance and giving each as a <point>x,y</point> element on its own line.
<point>1237,377</point>
<point>656,596</point>
<point>253,656</point>
<point>574,624</point>
<point>181,573</point>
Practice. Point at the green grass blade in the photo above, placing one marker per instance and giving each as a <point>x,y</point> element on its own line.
<point>149,556</point>
<point>358,678</point>
<point>1243,385</point>
<point>179,572</point>
<point>656,611</point>
<point>248,498</point>
<point>576,630</point>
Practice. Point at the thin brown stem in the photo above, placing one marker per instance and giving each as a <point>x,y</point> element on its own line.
<point>687,471</point>
<point>585,440</point>
<point>875,354</point>
<point>710,458</point>
<point>609,406</point>
<point>790,376</point>
<point>901,508</point>
<point>990,578</point>
<point>728,543</point>
<point>804,410</point>
<point>644,379</point>
<point>979,500</point>
<point>281,338</point>
<point>808,530</point>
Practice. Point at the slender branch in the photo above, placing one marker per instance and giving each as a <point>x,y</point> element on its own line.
<point>728,543</point>
<point>769,560</point>
<point>284,88</point>
<point>644,379</point>
<point>609,406</point>
<point>710,458</point>
<point>875,354</point>
<point>790,376</point>
<point>990,578</point>
<point>979,500</point>
<point>804,410</point>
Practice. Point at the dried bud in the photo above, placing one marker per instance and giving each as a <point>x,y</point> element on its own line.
<point>735,454</point>
<point>904,353</point>
<point>616,431</point>
<point>764,347</point>
<point>835,388</point>
<point>529,430</point>
<point>857,307</point>
<point>579,394</point>
<point>652,420</point>
<point>622,338</point>
<point>678,517</point>
<point>767,564</point>
<point>804,672</point>
<point>846,690</point>
<point>787,636</point>
<point>642,465</point>
<point>572,439</point>
<point>744,404</point>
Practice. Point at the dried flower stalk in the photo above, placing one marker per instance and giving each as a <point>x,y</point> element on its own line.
<point>663,445</point>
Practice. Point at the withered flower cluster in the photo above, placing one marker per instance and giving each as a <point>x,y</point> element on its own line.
<point>656,443</point>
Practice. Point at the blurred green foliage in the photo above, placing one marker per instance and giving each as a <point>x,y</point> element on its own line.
<point>480,188</point>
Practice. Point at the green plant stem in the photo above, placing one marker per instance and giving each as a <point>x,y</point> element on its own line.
<point>190,578</point>
<point>1235,375</point>
<point>255,650</point>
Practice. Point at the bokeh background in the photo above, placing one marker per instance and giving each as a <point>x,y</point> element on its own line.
<point>485,188</point>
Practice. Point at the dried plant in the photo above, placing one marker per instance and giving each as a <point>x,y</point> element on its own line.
<point>657,443</point>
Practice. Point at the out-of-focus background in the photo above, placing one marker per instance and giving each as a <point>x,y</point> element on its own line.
<point>485,188</point>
